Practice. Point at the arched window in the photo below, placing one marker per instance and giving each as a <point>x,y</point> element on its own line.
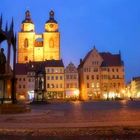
<point>26,43</point>
<point>51,43</point>
<point>26,58</point>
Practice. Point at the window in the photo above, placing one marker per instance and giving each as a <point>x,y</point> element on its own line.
<point>19,79</point>
<point>113,77</point>
<point>48,70</point>
<point>61,86</point>
<point>87,85</point>
<point>87,77</point>
<point>67,85</point>
<point>61,78</point>
<point>92,77</point>
<point>117,70</point>
<point>23,86</point>
<point>52,70</point>
<point>26,43</point>
<point>48,85</point>
<point>19,86</point>
<point>26,58</point>
<point>52,85</point>
<point>119,84</point>
<point>56,85</point>
<point>23,79</point>
<point>97,77</point>
<point>56,77</point>
<point>52,78</point>
<point>29,80</point>
<point>112,70</point>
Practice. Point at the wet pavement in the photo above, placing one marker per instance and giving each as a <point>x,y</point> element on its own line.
<point>107,120</point>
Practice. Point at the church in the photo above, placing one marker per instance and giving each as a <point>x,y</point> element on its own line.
<point>38,47</point>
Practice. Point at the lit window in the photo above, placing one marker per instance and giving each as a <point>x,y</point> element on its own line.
<point>61,78</point>
<point>56,77</point>
<point>26,43</point>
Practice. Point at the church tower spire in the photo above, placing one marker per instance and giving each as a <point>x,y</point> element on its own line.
<point>27,23</point>
<point>51,38</point>
<point>26,39</point>
<point>51,24</point>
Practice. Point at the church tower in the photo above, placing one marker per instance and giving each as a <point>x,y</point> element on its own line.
<point>51,39</point>
<point>26,39</point>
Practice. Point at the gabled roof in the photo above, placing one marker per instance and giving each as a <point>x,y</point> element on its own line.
<point>84,60</point>
<point>71,68</point>
<point>109,59</point>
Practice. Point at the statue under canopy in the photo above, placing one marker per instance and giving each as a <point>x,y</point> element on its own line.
<point>2,61</point>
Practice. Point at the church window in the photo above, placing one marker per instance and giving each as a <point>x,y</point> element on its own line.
<point>26,58</point>
<point>26,43</point>
<point>51,43</point>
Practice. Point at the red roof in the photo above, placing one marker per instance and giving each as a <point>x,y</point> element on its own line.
<point>109,59</point>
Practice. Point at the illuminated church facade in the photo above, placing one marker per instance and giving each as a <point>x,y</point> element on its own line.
<point>38,47</point>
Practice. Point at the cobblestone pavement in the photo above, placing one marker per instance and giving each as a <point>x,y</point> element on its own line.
<point>58,118</point>
<point>79,112</point>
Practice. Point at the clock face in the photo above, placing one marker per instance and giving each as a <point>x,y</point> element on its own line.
<point>51,25</point>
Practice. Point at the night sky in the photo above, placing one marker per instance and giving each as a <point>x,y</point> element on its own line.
<point>110,25</point>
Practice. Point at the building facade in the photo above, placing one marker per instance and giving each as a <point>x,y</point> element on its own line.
<point>38,47</point>
<point>71,81</point>
<point>40,80</point>
<point>101,76</point>
<point>54,79</point>
<point>133,88</point>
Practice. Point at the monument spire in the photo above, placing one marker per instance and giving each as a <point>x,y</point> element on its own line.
<point>1,22</point>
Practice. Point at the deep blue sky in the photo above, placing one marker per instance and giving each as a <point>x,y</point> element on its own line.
<point>111,25</point>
